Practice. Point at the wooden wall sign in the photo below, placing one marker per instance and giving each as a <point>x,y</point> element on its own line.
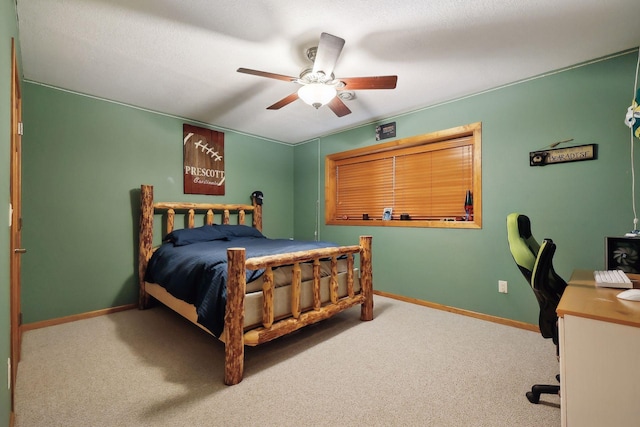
<point>563,155</point>
<point>203,152</point>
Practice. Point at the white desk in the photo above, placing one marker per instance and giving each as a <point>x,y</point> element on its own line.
<point>599,355</point>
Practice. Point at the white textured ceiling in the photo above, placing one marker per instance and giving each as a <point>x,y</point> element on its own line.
<point>180,57</point>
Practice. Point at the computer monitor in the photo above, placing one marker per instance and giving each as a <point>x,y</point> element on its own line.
<point>622,253</point>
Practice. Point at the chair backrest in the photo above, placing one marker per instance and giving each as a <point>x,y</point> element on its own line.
<point>548,288</point>
<point>535,261</point>
<point>523,246</point>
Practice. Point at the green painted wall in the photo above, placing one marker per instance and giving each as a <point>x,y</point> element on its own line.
<point>576,204</point>
<point>8,30</point>
<point>84,160</point>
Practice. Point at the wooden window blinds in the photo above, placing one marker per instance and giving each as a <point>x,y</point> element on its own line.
<point>426,177</point>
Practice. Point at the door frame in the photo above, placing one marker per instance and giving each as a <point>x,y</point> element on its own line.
<point>15,188</point>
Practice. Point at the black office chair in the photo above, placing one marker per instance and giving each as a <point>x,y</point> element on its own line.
<point>536,264</point>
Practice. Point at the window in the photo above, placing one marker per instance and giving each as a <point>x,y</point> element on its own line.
<point>427,181</point>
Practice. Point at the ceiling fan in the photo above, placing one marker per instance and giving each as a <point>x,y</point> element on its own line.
<point>319,84</point>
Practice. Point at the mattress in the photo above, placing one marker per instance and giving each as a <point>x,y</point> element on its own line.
<point>254,299</point>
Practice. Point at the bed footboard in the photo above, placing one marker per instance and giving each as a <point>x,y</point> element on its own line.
<point>236,338</point>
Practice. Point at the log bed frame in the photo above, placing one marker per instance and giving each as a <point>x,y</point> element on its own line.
<point>235,337</point>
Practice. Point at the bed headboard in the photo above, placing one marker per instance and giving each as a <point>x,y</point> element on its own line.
<point>149,208</point>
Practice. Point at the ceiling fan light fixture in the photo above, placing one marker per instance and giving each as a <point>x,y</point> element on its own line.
<point>317,94</point>
<point>319,86</point>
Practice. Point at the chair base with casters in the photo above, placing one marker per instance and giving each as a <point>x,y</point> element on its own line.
<point>538,389</point>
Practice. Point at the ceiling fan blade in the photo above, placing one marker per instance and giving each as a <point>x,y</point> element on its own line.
<point>338,107</point>
<point>284,101</point>
<point>328,52</point>
<point>362,83</point>
<point>267,74</point>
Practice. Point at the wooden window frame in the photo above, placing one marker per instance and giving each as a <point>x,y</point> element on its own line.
<point>472,131</point>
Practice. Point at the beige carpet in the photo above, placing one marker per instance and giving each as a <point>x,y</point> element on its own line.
<point>410,366</point>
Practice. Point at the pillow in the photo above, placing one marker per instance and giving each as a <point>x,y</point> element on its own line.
<point>231,231</point>
<point>186,236</point>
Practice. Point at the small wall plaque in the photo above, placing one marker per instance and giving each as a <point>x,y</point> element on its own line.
<point>386,131</point>
<point>563,155</point>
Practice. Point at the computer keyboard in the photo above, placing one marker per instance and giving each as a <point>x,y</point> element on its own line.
<point>612,279</point>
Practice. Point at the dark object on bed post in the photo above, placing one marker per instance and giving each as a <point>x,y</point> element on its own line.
<point>256,200</point>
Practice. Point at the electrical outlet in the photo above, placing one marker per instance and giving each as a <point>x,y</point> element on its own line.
<point>502,286</point>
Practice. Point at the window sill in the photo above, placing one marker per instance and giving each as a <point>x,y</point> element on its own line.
<point>407,223</point>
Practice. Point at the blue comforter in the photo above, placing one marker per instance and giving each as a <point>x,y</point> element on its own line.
<point>192,265</point>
